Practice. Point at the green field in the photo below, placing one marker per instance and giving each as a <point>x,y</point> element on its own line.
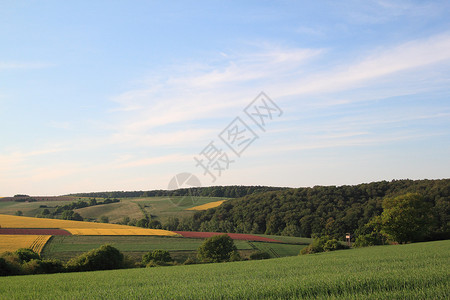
<point>413,271</point>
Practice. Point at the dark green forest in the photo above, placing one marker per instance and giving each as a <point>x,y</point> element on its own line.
<point>321,210</point>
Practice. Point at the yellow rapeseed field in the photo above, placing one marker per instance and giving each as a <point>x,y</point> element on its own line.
<point>78,227</point>
<point>13,242</point>
<point>207,205</point>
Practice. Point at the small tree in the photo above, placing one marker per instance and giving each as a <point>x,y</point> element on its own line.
<point>157,256</point>
<point>104,258</point>
<point>104,219</point>
<point>370,234</point>
<point>217,248</point>
<point>26,254</point>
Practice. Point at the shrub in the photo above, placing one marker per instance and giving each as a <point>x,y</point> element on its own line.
<point>157,256</point>
<point>104,258</point>
<point>323,244</point>
<point>257,255</point>
<point>218,248</point>
<point>36,266</point>
<point>25,254</point>
<point>8,268</point>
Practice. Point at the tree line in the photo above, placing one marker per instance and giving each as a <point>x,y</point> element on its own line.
<point>232,191</point>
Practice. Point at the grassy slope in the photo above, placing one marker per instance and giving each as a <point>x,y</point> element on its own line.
<point>29,209</point>
<point>161,207</point>
<point>403,271</point>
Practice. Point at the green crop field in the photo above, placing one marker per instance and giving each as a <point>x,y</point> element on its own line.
<point>418,271</point>
<point>279,250</point>
<point>66,247</point>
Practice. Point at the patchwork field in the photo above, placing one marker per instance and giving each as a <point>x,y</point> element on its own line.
<point>71,238</point>
<point>160,208</point>
<point>413,271</point>
<point>77,227</point>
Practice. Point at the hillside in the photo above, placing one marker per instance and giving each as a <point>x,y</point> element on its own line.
<point>417,271</point>
<point>322,209</point>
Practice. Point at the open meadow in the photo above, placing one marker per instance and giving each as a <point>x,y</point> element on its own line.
<point>417,271</point>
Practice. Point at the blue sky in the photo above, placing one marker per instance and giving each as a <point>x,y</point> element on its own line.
<point>122,95</point>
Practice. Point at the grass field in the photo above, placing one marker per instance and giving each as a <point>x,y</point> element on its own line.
<point>414,271</point>
<point>279,250</point>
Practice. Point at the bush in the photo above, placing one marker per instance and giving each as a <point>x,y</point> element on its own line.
<point>323,244</point>
<point>218,248</point>
<point>8,268</point>
<point>25,254</point>
<point>104,258</point>
<point>161,257</point>
<point>36,266</point>
<point>257,255</point>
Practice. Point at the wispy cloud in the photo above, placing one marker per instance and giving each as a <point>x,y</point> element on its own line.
<point>383,62</point>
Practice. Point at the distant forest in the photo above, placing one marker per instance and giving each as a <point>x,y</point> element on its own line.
<point>321,210</point>
<point>232,191</point>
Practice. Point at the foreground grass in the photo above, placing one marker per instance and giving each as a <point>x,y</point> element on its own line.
<point>403,271</point>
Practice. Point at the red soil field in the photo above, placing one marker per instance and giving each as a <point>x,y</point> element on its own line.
<point>34,231</point>
<point>234,236</point>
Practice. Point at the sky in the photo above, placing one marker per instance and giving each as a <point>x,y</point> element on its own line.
<point>127,95</point>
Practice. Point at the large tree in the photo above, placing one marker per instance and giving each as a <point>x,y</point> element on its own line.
<point>406,218</point>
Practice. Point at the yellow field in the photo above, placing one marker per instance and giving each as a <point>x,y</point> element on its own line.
<point>79,228</point>
<point>14,242</point>
<point>39,243</point>
<point>207,205</point>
